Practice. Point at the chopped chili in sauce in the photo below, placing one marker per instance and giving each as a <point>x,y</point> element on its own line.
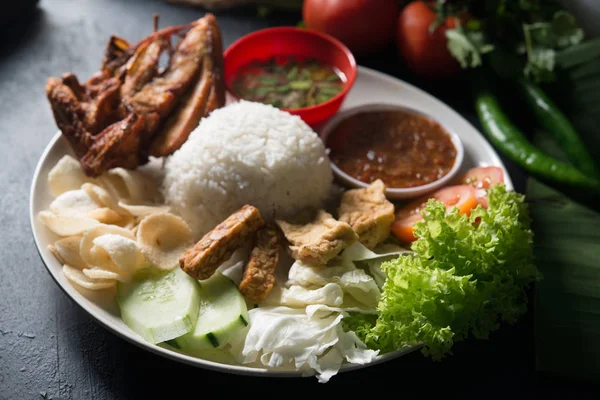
<point>401,148</point>
<point>288,83</point>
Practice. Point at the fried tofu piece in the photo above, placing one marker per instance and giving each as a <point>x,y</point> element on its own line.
<point>319,240</point>
<point>217,246</point>
<point>368,212</point>
<point>259,274</point>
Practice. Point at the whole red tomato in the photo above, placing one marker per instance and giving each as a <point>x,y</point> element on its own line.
<point>365,26</point>
<point>425,52</point>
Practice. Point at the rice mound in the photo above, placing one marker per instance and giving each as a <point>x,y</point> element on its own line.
<point>246,153</point>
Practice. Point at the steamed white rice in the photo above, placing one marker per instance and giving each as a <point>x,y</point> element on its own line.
<point>246,153</point>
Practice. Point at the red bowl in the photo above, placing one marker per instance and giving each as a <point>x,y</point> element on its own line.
<point>300,43</point>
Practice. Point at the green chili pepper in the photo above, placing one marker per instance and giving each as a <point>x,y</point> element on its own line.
<point>263,91</point>
<point>267,80</point>
<point>559,127</point>
<point>509,139</point>
<point>292,74</point>
<point>300,85</point>
<point>282,89</point>
<point>322,98</point>
<point>276,103</point>
<point>330,90</point>
<point>305,74</point>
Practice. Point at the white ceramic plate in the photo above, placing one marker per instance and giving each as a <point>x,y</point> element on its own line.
<point>370,86</point>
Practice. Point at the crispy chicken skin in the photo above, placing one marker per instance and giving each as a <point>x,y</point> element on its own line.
<point>319,240</point>
<point>143,66</point>
<point>129,109</point>
<point>368,212</point>
<point>217,246</point>
<point>259,274</point>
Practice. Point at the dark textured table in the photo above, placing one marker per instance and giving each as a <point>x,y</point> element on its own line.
<point>49,347</point>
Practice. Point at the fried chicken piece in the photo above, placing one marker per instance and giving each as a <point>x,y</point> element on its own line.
<point>96,103</point>
<point>218,245</point>
<point>368,212</point>
<point>116,145</point>
<point>119,110</point>
<point>207,95</point>
<point>259,274</point>
<point>319,240</point>
<point>161,94</point>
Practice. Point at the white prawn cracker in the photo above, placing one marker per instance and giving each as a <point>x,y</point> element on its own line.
<point>66,175</point>
<point>133,186</point>
<point>72,213</point>
<point>99,273</point>
<point>108,216</point>
<point>97,256</point>
<point>79,278</point>
<point>142,210</point>
<point>123,252</point>
<point>65,225</point>
<point>163,239</point>
<point>102,197</point>
<point>66,250</point>
<point>74,203</point>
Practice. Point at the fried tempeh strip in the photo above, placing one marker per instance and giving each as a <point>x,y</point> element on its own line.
<point>259,274</point>
<point>319,240</point>
<point>218,245</point>
<point>368,212</point>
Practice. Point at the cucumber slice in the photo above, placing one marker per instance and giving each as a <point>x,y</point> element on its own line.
<point>222,317</point>
<point>159,305</point>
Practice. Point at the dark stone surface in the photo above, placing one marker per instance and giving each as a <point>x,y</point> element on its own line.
<point>49,347</point>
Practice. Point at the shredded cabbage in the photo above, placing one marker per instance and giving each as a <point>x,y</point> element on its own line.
<point>467,274</point>
<point>311,339</point>
<point>353,281</point>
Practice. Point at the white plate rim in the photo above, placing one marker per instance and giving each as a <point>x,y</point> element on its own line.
<point>131,337</point>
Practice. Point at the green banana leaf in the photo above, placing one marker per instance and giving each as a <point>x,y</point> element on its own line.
<point>577,91</point>
<point>567,236</point>
<point>567,300</point>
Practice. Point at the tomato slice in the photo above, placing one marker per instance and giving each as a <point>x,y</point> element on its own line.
<point>482,178</point>
<point>461,196</point>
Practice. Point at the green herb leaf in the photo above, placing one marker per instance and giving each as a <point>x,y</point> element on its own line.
<point>542,39</point>
<point>567,32</point>
<point>467,46</point>
<point>540,64</point>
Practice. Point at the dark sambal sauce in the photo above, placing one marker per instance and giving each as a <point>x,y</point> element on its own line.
<point>401,148</point>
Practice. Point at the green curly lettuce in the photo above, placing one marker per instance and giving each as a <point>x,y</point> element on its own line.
<point>467,274</point>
